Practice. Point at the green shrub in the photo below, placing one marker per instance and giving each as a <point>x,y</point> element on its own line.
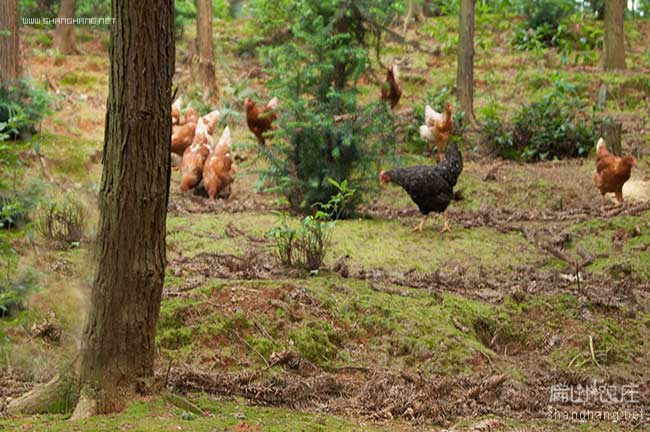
<point>305,247</point>
<point>14,291</point>
<point>273,16</point>
<point>549,13</point>
<point>22,106</point>
<point>556,125</point>
<point>322,132</point>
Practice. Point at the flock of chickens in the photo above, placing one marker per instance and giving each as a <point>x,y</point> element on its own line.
<point>204,166</point>
<point>210,168</point>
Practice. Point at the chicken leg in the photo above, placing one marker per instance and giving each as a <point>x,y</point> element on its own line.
<point>441,152</point>
<point>619,196</point>
<point>445,228</point>
<point>420,226</point>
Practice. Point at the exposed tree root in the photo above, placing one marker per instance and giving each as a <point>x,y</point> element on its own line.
<point>58,395</point>
<point>86,407</point>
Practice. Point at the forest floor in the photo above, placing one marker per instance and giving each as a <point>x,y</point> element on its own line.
<point>477,329</point>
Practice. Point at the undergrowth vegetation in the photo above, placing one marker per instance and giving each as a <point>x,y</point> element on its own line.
<point>305,246</point>
<point>323,132</point>
<point>559,124</point>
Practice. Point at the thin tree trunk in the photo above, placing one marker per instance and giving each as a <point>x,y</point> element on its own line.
<point>64,33</point>
<point>118,348</point>
<point>614,50</point>
<point>465,71</point>
<point>9,53</point>
<point>206,70</point>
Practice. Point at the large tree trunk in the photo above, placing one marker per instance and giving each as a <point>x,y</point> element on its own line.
<point>206,73</point>
<point>118,346</point>
<point>614,50</point>
<point>9,53</point>
<point>465,71</point>
<point>64,33</point>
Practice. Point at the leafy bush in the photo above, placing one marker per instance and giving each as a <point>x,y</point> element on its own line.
<point>305,247</point>
<point>272,16</point>
<point>584,37</point>
<point>549,13</point>
<point>22,106</point>
<point>62,223</point>
<point>556,125</point>
<point>12,211</point>
<point>322,131</point>
<point>13,292</point>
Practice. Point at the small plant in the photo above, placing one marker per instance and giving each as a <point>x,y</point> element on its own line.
<point>305,246</point>
<point>62,223</point>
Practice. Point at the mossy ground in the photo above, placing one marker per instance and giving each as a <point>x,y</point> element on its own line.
<point>235,325</point>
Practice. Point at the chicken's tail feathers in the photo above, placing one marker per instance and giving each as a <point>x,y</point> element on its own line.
<point>212,116</point>
<point>225,139</point>
<point>426,133</point>
<point>431,115</point>
<point>273,103</point>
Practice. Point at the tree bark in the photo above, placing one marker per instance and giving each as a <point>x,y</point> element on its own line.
<point>611,132</point>
<point>614,49</point>
<point>118,347</point>
<point>64,33</point>
<point>465,71</point>
<point>206,69</point>
<point>9,52</point>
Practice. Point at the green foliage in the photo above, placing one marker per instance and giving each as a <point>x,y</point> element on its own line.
<point>22,106</point>
<point>38,8</point>
<point>93,8</point>
<point>305,246</point>
<point>14,291</point>
<point>184,14</point>
<point>583,38</point>
<point>549,13</point>
<point>265,347</point>
<point>322,131</point>
<point>558,124</point>
<point>271,17</point>
<point>316,342</point>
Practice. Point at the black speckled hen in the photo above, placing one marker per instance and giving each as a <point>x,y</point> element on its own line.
<point>430,187</point>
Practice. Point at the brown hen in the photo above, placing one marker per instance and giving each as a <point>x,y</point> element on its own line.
<point>611,172</point>
<point>260,120</point>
